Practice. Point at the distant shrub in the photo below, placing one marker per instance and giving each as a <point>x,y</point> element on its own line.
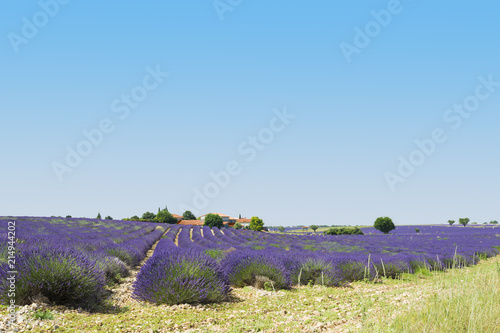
<point>68,216</point>
<point>256,224</point>
<point>59,273</point>
<point>464,221</point>
<point>344,231</point>
<point>188,215</point>
<point>384,224</point>
<point>165,217</point>
<point>148,216</point>
<point>242,268</point>
<point>108,218</point>
<point>180,276</point>
<point>213,220</point>
<point>238,225</point>
<point>417,230</point>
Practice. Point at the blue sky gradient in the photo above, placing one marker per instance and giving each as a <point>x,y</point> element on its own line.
<point>353,116</point>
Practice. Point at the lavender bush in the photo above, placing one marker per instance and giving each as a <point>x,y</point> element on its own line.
<point>177,276</point>
<point>61,274</point>
<point>241,269</point>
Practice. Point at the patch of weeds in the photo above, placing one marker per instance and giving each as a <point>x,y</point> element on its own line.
<point>43,315</point>
<point>216,254</point>
<point>268,286</point>
<point>309,247</point>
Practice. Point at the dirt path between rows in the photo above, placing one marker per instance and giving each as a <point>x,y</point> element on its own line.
<point>177,237</point>
<point>122,293</point>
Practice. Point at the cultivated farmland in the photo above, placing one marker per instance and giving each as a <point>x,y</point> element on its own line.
<point>79,263</point>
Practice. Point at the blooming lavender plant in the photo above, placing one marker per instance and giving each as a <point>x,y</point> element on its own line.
<point>176,276</point>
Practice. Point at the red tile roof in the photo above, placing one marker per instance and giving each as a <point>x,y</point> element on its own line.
<point>190,222</point>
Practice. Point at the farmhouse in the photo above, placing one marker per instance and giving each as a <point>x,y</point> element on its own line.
<point>226,219</point>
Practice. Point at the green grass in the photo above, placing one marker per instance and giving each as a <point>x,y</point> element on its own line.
<point>466,300</point>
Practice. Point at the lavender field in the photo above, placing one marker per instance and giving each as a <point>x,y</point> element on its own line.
<point>73,261</point>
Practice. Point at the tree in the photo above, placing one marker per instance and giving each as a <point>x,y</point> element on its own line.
<point>314,228</point>
<point>165,217</point>
<point>281,229</point>
<point>417,230</point>
<point>188,215</point>
<point>238,225</point>
<point>68,216</point>
<point>98,216</point>
<point>148,216</point>
<point>450,222</point>
<point>463,221</point>
<point>135,218</point>
<point>256,224</point>
<point>108,218</point>
<point>494,222</point>
<point>240,217</point>
<point>213,220</point>
<point>384,224</point>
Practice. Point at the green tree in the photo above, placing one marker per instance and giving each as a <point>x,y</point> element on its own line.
<point>68,216</point>
<point>463,221</point>
<point>238,225</point>
<point>148,216</point>
<point>494,222</point>
<point>135,218</point>
<point>384,224</point>
<point>281,229</point>
<point>240,217</point>
<point>165,217</point>
<point>108,218</point>
<point>213,220</point>
<point>256,224</point>
<point>314,228</point>
<point>450,222</point>
<point>98,216</point>
<point>188,215</point>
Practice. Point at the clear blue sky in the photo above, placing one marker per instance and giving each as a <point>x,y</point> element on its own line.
<point>362,80</point>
